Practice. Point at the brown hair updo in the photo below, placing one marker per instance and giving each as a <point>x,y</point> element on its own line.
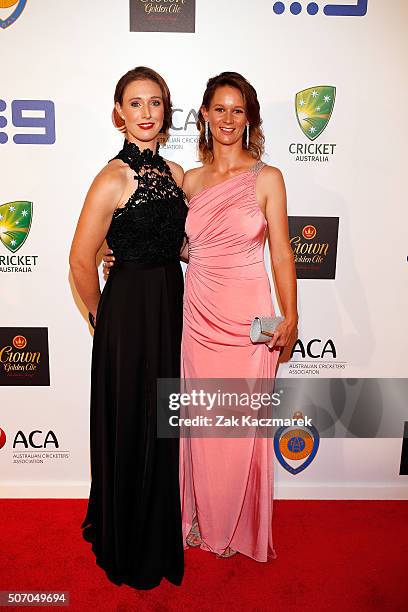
<point>141,73</point>
<point>256,137</point>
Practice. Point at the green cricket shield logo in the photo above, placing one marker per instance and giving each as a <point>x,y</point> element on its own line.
<point>15,223</point>
<point>314,107</point>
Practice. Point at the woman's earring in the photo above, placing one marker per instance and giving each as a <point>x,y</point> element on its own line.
<point>207,131</point>
<point>247,135</point>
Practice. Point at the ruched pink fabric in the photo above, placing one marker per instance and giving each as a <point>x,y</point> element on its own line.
<point>227,483</point>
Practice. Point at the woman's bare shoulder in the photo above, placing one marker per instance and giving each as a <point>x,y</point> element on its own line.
<point>270,173</point>
<point>112,178</point>
<point>194,172</point>
<point>176,171</point>
<point>192,181</point>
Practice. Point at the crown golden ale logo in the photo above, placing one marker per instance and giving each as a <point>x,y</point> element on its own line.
<point>309,232</point>
<point>19,360</point>
<point>19,342</point>
<point>24,356</point>
<point>162,15</point>
<point>316,250</point>
<point>314,244</point>
<point>172,7</point>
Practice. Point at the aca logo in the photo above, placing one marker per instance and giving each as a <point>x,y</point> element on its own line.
<point>314,108</point>
<point>292,444</point>
<point>32,114</point>
<point>358,9</point>
<point>314,357</point>
<point>36,447</point>
<point>315,348</point>
<point>3,437</point>
<point>35,439</point>
<point>17,7</point>
<point>183,132</point>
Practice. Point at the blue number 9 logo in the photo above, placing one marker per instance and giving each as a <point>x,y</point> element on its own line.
<point>45,120</point>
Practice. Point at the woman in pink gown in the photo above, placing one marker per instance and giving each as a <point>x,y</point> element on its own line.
<point>235,202</point>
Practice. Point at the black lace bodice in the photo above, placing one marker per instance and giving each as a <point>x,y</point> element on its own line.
<point>149,229</point>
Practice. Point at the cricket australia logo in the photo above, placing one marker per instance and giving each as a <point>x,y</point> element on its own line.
<point>314,107</point>
<point>15,224</point>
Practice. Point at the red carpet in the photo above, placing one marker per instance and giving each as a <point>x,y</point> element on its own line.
<point>332,555</point>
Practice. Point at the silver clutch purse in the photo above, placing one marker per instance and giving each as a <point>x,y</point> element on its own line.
<point>263,324</point>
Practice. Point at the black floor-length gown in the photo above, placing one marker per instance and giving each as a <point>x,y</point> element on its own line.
<point>134,517</point>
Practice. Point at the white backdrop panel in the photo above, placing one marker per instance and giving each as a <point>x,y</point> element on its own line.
<point>73,52</point>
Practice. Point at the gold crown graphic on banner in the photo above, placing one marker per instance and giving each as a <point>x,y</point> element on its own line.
<point>309,232</point>
<point>19,342</point>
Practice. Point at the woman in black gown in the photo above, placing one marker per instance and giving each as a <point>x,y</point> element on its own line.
<point>133,518</point>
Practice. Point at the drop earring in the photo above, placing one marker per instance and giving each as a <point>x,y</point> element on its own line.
<point>206,131</point>
<point>247,136</point>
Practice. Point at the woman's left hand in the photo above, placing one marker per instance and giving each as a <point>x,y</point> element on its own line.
<point>283,334</point>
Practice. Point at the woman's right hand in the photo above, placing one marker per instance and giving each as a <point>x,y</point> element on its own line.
<point>108,261</point>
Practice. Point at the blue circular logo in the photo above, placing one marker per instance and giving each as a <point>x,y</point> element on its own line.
<point>296,444</point>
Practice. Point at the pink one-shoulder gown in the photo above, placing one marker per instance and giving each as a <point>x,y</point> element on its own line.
<point>227,483</point>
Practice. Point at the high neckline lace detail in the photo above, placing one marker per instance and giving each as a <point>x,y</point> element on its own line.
<point>146,159</point>
<point>134,151</point>
<point>149,227</point>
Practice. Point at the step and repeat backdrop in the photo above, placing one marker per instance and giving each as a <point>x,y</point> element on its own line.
<point>332,82</point>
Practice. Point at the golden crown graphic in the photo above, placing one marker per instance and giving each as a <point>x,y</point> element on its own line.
<point>19,342</point>
<point>309,232</point>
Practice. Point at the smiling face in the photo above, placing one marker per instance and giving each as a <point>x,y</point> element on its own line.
<point>226,115</point>
<point>142,110</point>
